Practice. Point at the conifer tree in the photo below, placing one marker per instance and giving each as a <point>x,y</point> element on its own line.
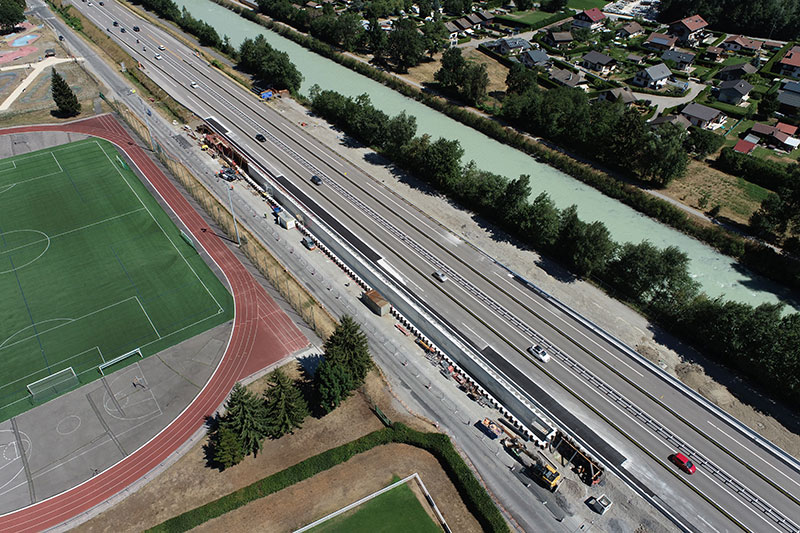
<point>333,384</point>
<point>65,99</point>
<point>227,448</point>
<point>285,406</point>
<point>244,417</point>
<point>348,347</point>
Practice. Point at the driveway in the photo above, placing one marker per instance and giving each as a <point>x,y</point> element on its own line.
<point>663,102</point>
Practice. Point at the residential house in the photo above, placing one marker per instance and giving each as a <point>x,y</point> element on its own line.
<point>733,91</point>
<point>512,45</point>
<point>568,78</point>
<point>736,43</point>
<point>703,116</point>
<point>618,94</point>
<point>788,129</point>
<point>633,29</point>
<point>487,17</point>
<point>689,31</point>
<point>660,41</point>
<point>772,45</point>
<point>744,147</point>
<point>474,19</point>
<point>599,62</point>
<point>779,136</point>
<point>463,24</point>
<point>534,58</point>
<point>678,120</point>
<point>736,72</point>
<point>714,53</point>
<point>653,77</point>
<point>558,39</point>
<point>789,97</point>
<point>633,58</point>
<point>790,64</point>
<point>591,18</point>
<point>453,30</point>
<point>682,60</point>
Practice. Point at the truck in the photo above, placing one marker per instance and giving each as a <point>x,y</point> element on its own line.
<point>537,466</point>
<point>489,427</point>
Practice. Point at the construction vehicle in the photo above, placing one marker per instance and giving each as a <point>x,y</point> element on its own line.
<point>489,427</point>
<point>537,466</point>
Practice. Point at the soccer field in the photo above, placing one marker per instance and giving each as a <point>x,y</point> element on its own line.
<point>91,268</point>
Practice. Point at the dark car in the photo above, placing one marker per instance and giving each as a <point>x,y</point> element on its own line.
<point>316,180</point>
<point>115,23</point>
<point>136,28</point>
<point>102,4</point>
<point>683,462</point>
<point>261,138</point>
<point>122,30</point>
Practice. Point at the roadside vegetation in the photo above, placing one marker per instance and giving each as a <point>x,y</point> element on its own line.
<point>773,19</point>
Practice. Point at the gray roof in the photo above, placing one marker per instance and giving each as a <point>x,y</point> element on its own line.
<point>515,42</point>
<point>700,111</point>
<point>740,86</point>
<point>747,68</point>
<point>658,72</point>
<point>567,77</point>
<point>633,27</point>
<point>474,18</point>
<point>537,57</point>
<point>452,28</point>
<point>792,86</point>
<point>596,57</point>
<point>678,57</point>
<point>789,98</point>
<point>561,36</point>
<point>678,120</point>
<point>622,94</point>
<point>634,58</point>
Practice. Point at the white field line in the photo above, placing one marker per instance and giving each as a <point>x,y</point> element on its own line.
<point>57,163</point>
<point>148,317</point>
<point>61,361</point>
<point>159,226</point>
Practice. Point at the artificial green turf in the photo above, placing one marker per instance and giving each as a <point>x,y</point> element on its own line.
<point>394,511</point>
<point>91,267</point>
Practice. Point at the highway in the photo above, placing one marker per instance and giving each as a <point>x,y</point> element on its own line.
<point>617,404</point>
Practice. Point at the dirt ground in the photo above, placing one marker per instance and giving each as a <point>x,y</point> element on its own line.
<point>190,483</point>
<point>331,490</point>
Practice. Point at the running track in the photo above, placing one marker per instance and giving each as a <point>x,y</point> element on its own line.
<point>262,334</point>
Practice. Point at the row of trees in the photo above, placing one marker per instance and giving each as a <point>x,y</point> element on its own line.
<point>267,64</point>
<point>249,419</point>
<point>467,80</point>
<point>655,280</point>
<point>11,14</point>
<point>606,131</point>
<point>774,19</point>
<point>205,32</point>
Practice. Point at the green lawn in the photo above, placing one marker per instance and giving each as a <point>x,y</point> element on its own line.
<point>530,17</point>
<point>586,4</point>
<point>91,268</point>
<point>395,511</point>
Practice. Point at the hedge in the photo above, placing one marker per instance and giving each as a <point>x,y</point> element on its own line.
<point>437,444</point>
<point>769,174</point>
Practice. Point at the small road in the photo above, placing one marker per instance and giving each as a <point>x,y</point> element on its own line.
<point>664,102</point>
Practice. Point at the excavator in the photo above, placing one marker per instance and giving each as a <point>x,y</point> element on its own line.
<point>537,466</point>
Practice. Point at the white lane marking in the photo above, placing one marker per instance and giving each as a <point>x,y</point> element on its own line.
<point>751,452</point>
<point>473,332</point>
<point>706,523</point>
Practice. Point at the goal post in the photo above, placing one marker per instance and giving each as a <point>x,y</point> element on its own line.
<point>112,362</point>
<point>53,385</point>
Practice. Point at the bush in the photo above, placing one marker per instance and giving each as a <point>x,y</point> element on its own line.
<point>769,174</point>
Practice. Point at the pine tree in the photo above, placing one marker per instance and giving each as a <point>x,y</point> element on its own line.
<point>244,417</point>
<point>227,448</point>
<point>65,99</point>
<point>333,384</point>
<point>285,406</point>
<point>348,347</point>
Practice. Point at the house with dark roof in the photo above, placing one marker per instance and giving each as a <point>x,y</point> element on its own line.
<point>733,91</point>
<point>618,94</point>
<point>558,39</point>
<point>678,120</point>
<point>453,30</point>
<point>653,77</point>
<point>633,58</point>
<point>714,53</point>
<point>660,41</point>
<point>776,136</point>
<point>682,60</point>
<point>463,24</point>
<point>789,97</point>
<point>474,19</point>
<point>735,43</point>
<point>736,72</point>
<point>602,63</point>
<point>790,64</point>
<point>703,116</point>
<point>689,31</point>
<point>568,78</point>
<point>486,16</point>
<point>591,18</point>
<point>632,29</point>
<point>512,45</point>
<point>534,58</point>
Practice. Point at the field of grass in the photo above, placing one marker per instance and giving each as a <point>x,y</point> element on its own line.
<point>91,268</point>
<point>530,17</point>
<point>394,511</point>
<point>586,4</point>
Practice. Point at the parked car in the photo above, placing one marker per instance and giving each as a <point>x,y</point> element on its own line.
<point>683,462</point>
<point>316,180</point>
<point>539,353</point>
<point>308,242</point>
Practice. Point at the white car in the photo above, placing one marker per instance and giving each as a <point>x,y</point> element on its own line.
<point>158,57</point>
<point>161,47</point>
<point>194,85</point>
<point>539,353</point>
<point>441,276</point>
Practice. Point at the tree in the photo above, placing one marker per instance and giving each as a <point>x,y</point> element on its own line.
<point>65,99</point>
<point>451,73</point>
<point>524,5</point>
<point>553,6</point>
<point>377,40</point>
<point>333,384</point>
<point>475,83</point>
<point>406,44</point>
<point>347,347</point>
<point>514,200</point>
<point>227,448</point>
<point>244,418</point>
<point>593,249</point>
<point>543,221</point>
<point>285,406</point>
<point>520,78</point>
<point>664,157</point>
<point>12,12</point>
<point>400,129</point>
<point>702,142</point>
<point>348,30</point>
<point>436,35</point>
<point>769,104</point>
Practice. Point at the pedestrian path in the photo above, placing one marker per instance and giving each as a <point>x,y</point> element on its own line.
<point>35,70</point>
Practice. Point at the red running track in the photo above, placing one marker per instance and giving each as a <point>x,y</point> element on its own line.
<point>262,334</point>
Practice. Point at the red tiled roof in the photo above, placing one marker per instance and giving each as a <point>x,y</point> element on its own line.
<point>792,57</point>
<point>594,14</point>
<point>744,147</point>
<point>744,42</point>
<point>693,23</point>
<point>788,129</point>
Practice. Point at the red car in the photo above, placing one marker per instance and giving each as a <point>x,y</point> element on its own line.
<point>683,462</point>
